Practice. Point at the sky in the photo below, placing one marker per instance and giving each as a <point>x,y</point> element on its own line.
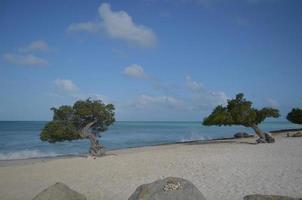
<point>155,60</point>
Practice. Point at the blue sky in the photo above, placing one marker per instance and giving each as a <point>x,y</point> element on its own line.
<point>153,59</point>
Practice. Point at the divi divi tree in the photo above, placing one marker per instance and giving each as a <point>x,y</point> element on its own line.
<point>239,111</point>
<point>84,120</point>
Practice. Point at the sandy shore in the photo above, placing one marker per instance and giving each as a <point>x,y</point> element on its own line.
<point>227,170</point>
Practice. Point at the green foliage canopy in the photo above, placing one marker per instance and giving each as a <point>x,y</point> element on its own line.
<point>239,111</point>
<point>68,121</point>
<point>295,116</point>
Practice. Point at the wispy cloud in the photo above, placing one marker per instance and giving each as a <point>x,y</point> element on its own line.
<point>120,53</point>
<point>66,86</point>
<point>91,27</point>
<point>28,59</point>
<point>211,3</point>
<point>164,102</point>
<point>192,96</point>
<point>34,46</point>
<point>26,56</point>
<point>117,25</point>
<point>272,102</point>
<point>202,97</point>
<point>135,71</point>
<point>261,1</point>
<point>194,86</point>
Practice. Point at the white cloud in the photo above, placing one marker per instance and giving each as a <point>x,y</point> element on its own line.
<point>66,86</point>
<point>135,71</point>
<point>28,59</point>
<point>38,45</point>
<point>91,27</point>
<point>118,24</point>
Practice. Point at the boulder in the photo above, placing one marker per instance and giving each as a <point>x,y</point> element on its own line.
<point>242,135</point>
<point>59,191</point>
<point>268,197</point>
<point>170,188</point>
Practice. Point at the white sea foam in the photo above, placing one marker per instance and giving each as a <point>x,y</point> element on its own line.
<point>194,137</point>
<point>26,154</point>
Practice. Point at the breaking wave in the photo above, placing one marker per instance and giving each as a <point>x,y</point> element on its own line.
<point>194,137</point>
<point>26,154</point>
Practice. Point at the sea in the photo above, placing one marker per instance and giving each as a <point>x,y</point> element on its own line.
<point>20,139</point>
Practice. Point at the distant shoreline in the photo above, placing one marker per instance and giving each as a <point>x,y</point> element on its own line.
<point>204,142</point>
<point>143,121</point>
<point>286,130</point>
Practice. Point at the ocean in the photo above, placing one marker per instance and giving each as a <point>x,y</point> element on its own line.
<point>20,139</point>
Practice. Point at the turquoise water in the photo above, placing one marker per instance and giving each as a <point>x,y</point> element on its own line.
<point>20,139</point>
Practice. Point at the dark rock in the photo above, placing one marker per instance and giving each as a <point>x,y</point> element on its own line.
<point>268,197</point>
<point>167,189</point>
<point>242,135</point>
<point>59,191</point>
<point>269,138</point>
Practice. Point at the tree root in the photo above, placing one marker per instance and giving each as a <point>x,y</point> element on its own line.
<point>267,139</point>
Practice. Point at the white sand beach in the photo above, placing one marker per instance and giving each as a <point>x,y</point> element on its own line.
<point>227,170</point>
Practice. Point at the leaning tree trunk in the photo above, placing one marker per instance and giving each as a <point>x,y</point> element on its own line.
<point>96,149</point>
<point>263,137</point>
